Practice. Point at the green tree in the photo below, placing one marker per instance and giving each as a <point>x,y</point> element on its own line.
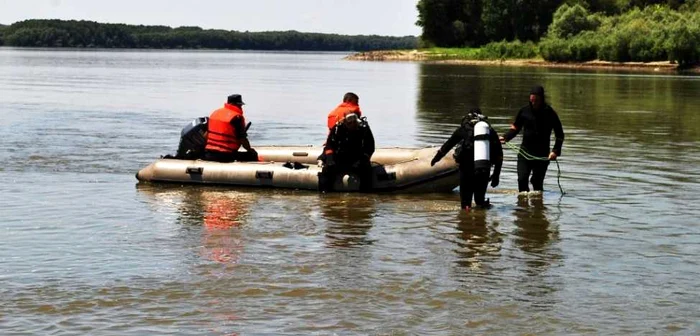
<point>443,23</point>
<point>569,21</point>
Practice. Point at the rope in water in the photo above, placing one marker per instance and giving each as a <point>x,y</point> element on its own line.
<point>529,156</point>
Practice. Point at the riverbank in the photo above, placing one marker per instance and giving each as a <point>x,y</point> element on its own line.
<point>431,57</point>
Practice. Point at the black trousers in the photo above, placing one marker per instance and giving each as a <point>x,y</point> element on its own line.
<point>473,182</point>
<point>230,157</point>
<point>538,170</point>
<point>362,168</point>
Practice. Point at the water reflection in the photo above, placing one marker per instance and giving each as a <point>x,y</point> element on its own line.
<point>349,218</point>
<point>217,214</point>
<point>223,215</point>
<point>609,104</point>
<point>536,237</point>
<point>533,233</point>
<point>478,241</point>
<point>447,92</point>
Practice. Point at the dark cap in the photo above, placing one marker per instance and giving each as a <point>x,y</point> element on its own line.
<point>235,99</point>
<point>537,90</point>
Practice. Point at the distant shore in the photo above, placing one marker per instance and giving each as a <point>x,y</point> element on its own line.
<point>421,56</point>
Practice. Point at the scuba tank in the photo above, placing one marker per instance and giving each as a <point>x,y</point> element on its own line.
<point>482,146</point>
<point>478,143</point>
<point>193,139</point>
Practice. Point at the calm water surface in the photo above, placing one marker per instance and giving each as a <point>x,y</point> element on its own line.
<point>85,250</point>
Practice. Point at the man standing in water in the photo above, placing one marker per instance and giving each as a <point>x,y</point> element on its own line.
<point>537,120</point>
<point>480,149</point>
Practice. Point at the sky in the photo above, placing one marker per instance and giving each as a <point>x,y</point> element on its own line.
<point>348,17</point>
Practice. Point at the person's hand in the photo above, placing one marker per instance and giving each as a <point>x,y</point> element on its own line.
<point>495,179</point>
<point>552,156</point>
<point>319,163</point>
<point>252,151</point>
<point>502,139</point>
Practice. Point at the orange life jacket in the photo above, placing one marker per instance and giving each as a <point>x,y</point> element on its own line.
<point>222,135</point>
<point>341,111</point>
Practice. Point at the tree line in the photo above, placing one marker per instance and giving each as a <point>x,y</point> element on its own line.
<point>90,34</point>
<point>567,30</point>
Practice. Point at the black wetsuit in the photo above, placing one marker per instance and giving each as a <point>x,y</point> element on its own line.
<point>347,151</point>
<point>537,127</point>
<point>473,179</point>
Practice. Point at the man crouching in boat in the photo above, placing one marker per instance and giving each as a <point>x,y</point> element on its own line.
<point>480,148</point>
<point>227,133</point>
<point>348,149</point>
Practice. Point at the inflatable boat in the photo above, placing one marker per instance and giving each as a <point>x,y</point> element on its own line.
<point>294,167</point>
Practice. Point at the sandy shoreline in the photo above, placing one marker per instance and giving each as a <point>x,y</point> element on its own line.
<point>419,56</point>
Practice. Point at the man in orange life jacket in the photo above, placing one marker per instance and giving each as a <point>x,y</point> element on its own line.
<point>227,133</point>
<point>348,149</point>
<point>349,105</point>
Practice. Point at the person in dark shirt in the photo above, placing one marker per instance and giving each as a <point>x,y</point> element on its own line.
<point>480,149</point>
<point>537,120</point>
<point>348,149</point>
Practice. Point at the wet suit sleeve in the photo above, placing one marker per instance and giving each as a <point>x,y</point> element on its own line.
<point>239,128</point>
<point>496,147</point>
<point>515,127</point>
<point>451,142</point>
<point>496,152</point>
<point>558,133</point>
<point>368,143</point>
<point>331,142</point>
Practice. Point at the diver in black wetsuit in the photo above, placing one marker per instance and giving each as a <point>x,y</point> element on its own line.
<point>479,150</point>
<point>537,120</point>
<point>349,148</point>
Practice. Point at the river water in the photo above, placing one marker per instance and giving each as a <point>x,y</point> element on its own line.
<point>87,250</point>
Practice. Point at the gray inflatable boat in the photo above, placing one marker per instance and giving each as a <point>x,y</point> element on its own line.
<point>294,167</point>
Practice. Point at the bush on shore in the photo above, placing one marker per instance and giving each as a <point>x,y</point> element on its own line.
<point>655,33</point>
<point>492,51</point>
